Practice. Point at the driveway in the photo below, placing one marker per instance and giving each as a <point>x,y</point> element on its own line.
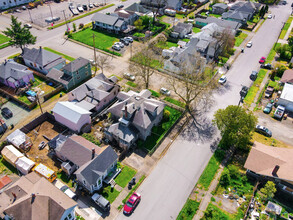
<point>166,189</point>
<point>18,113</point>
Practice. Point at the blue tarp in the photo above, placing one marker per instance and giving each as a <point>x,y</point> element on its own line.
<point>31,93</point>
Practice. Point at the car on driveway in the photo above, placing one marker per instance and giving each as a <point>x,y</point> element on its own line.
<point>116,47</point>
<point>68,192</point>
<point>249,44</point>
<point>6,112</point>
<point>129,39</point>
<point>120,44</point>
<point>267,66</point>
<point>165,91</point>
<point>263,130</point>
<point>223,79</point>
<point>262,60</point>
<point>131,203</point>
<point>129,76</point>
<point>268,108</point>
<point>124,41</point>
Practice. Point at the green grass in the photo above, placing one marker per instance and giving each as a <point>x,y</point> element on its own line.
<point>81,16</point>
<point>132,84</point>
<point>24,99</point>
<point>185,40</point>
<point>6,168</point>
<point>13,56</point>
<point>196,30</point>
<point>126,174</point>
<point>118,77</point>
<point>240,39</point>
<point>283,33</point>
<point>272,53</point>
<point>175,102</point>
<point>134,188</point>
<point>3,39</point>
<point>166,44</point>
<point>216,213</point>
<point>215,15</point>
<point>179,16</point>
<point>137,34</point>
<point>286,27</point>
<point>110,194</point>
<point>5,45</point>
<point>188,210</point>
<point>62,176</point>
<point>154,93</point>
<point>61,54</point>
<point>104,40</point>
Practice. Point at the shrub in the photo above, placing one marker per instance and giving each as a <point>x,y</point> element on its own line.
<point>74,27</point>
<point>81,25</point>
<point>225,178</point>
<point>191,17</point>
<point>166,116</point>
<point>233,171</point>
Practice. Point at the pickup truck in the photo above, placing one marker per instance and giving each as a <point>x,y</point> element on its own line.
<point>269,92</point>
<point>101,201</point>
<point>279,112</point>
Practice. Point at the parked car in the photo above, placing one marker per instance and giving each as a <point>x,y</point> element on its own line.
<point>279,112</point>
<point>165,91</point>
<point>249,44</point>
<point>91,5</point>
<point>120,44</point>
<point>266,66</point>
<point>268,108</point>
<point>42,145</point>
<point>262,60</point>
<point>23,7</point>
<point>129,39</point>
<point>101,202</point>
<point>253,75</point>
<point>131,203</point>
<point>269,92</point>
<point>223,79</point>
<point>27,25</point>
<point>120,6</point>
<point>129,76</point>
<point>270,16</point>
<point>244,91</point>
<point>116,47</point>
<point>263,130</point>
<point>125,42</point>
<point>79,8</point>
<point>84,7</point>
<point>96,4</point>
<point>6,112</point>
<point>69,192</point>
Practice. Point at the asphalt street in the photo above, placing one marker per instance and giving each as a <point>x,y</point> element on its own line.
<point>166,189</point>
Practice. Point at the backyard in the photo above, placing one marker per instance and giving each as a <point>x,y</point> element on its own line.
<point>165,44</point>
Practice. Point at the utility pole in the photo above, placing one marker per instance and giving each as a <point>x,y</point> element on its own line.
<point>68,29</point>
<point>38,100</point>
<point>30,15</point>
<point>95,56</point>
<point>51,13</point>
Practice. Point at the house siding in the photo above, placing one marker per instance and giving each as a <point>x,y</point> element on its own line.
<point>67,212</point>
<point>5,4</point>
<point>78,76</point>
<point>71,125</point>
<point>42,69</point>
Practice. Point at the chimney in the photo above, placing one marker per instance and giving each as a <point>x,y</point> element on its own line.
<point>5,62</point>
<point>33,198</point>
<point>126,111</point>
<point>93,153</point>
<point>14,196</point>
<point>274,173</point>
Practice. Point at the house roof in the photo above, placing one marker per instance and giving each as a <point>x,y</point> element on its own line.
<point>287,76</point>
<point>10,70</point>
<point>58,76</point>
<point>42,57</point>
<point>125,133</point>
<point>262,160</point>
<point>70,111</point>
<point>119,23</point>
<point>245,6</point>
<point>135,7</point>
<point>220,5</point>
<point>238,15</point>
<point>49,202</point>
<point>16,138</point>
<point>182,26</point>
<point>287,92</point>
<point>103,18</point>
<point>95,168</point>
<point>221,22</point>
<point>76,64</point>
<point>78,150</point>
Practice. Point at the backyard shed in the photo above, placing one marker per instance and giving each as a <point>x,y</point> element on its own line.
<point>11,154</point>
<point>19,139</point>
<point>24,165</point>
<point>286,98</point>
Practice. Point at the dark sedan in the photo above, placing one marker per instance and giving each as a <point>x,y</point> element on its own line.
<point>6,112</point>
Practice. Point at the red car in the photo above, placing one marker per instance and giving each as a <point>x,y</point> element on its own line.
<point>262,60</point>
<point>131,203</point>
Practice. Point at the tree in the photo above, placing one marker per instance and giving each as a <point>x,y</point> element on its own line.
<point>225,178</point>
<point>103,61</point>
<point>156,6</point>
<point>225,41</point>
<point>236,126</point>
<point>145,63</point>
<point>268,190</point>
<point>19,35</point>
<point>138,24</point>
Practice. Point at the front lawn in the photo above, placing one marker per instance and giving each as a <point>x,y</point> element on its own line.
<point>110,193</point>
<point>64,178</point>
<point>175,102</point>
<point>3,39</point>
<point>134,188</point>
<point>272,53</point>
<point>104,40</point>
<point>267,140</point>
<point>132,84</point>
<point>126,174</point>
<point>188,210</point>
<point>196,30</point>
<point>154,93</point>
<point>239,39</point>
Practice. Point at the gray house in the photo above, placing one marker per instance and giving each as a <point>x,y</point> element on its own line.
<point>172,4</point>
<point>109,22</point>
<point>72,74</point>
<point>138,9</point>
<point>128,16</point>
<point>92,174</point>
<point>181,29</point>
<point>42,60</point>
<point>135,115</point>
<point>219,8</point>
<point>203,21</point>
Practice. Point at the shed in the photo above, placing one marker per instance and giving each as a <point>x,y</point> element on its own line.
<point>19,139</point>
<point>24,165</point>
<point>11,154</point>
<point>71,115</point>
<point>286,98</point>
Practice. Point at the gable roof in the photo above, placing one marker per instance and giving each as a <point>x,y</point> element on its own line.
<point>76,64</point>
<point>59,76</point>
<point>135,7</point>
<point>287,76</point>
<point>238,15</point>
<point>95,168</point>
<point>179,27</point>
<point>220,22</point>
<point>103,18</point>
<point>11,69</point>
<point>70,111</point>
<point>287,92</point>
<point>245,6</point>
<point>78,150</point>
<point>49,203</point>
<point>220,5</point>
<point>262,160</point>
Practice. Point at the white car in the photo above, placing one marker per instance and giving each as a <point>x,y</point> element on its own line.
<point>129,76</point>
<point>91,5</point>
<point>129,39</point>
<point>116,47</point>
<point>165,91</point>
<point>27,25</point>
<point>68,192</point>
<point>223,79</point>
<point>249,44</point>
<point>270,16</point>
<point>188,36</point>
<point>120,44</point>
<point>79,8</point>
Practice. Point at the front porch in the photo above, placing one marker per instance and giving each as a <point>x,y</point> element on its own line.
<point>111,176</point>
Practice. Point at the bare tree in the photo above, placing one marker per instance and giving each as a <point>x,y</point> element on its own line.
<point>156,6</point>
<point>102,61</point>
<point>145,63</point>
<point>225,40</point>
<point>196,79</point>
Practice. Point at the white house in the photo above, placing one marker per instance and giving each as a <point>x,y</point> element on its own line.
<point>109,22</point>
<point>71,115</point>
<point>286,98</point>
<point>4,4</point>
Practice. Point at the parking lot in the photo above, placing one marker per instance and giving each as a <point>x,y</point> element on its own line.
<point>18,113</point>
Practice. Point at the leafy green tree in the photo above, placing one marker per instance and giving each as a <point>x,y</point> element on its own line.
<point>138,24</point>
<point>19,35</point>
<point>268,190</point>
<point>261,12</point>
<point>225,178</point>
<point>236,126</point>
<point>266,9</point>
<point>234,171</point>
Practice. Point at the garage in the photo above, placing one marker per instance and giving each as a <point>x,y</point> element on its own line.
<point>286,98</point>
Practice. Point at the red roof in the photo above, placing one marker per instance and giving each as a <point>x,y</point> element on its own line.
<point>4,181</point>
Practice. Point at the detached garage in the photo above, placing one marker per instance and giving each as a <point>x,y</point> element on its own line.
<point>71,115</point>
<point>286,98</point>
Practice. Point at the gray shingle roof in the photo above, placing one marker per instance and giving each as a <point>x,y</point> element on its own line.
<point>58,76</point>
<point>103,18</point>
<point>12,70</point>
<point>235,15</point>
<point>135,7</point>
<point>220,5</point>
<point>125,133</point>
<point>76,64</point>
<point>221,22</point>
<point>93,169</point>
<point>119,23</point>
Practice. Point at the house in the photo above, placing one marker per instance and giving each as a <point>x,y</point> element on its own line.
<point>128,16</point>
<point>72,116</point>
<point>19,139</point>
<point>72,74</point>
<point>92,174</point>
<point>172,4</point>
<point>219,8</point>
<point>75,151</point>
<point>5,4</point>
<point>271,163</point>
<point>33,197</point>
<point>287,76</point>
<point>135,115</point>
<point>286,98</point>
<point>237,16</point>
<point>203,21</point>
<point>15,75</point>
<point>181,29</point>
<point>3,126</point>
<point>109,22</point>
<point>42,60</point>
<point>96,93</point>
<point>138,9</point>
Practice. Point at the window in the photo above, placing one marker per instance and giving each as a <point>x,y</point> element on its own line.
<point>66,218</point>
<point>70,216</point>
<point>77,72</point>
<point>4,3</point>
<point>84,183</point>
<point>78,77</point>
<point>99,182</point>
<point>9,1</point>
<point>41,68</point>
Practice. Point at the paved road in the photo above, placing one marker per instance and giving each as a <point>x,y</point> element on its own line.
<point>166,189</point>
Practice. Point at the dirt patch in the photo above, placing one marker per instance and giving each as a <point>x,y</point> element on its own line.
<point>44,156</point>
